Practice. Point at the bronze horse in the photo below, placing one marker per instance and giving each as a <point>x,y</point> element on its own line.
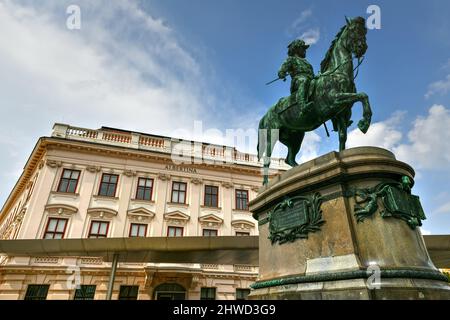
<point>332,93</point>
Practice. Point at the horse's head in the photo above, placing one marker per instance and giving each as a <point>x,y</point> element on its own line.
<point>356,36</point>
<point>351,38</point>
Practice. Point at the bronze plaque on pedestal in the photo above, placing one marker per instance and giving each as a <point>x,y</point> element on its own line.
<point>294,218</point>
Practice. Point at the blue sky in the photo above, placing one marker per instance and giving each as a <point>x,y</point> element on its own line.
<point>123,66</point>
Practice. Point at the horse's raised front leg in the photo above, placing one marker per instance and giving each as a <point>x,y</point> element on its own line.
<point>350,99</point>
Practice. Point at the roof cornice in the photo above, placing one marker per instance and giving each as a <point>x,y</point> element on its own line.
<point>44,143</point>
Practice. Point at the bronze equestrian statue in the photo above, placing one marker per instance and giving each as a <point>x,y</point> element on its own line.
<point>314,100</point>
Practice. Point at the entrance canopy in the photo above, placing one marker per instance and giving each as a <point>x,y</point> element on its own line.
<point>215,250</point>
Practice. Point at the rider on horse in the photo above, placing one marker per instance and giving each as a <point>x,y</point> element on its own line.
<point>301,72</point>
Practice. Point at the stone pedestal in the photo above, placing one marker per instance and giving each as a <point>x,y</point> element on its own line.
<point>344,226</point>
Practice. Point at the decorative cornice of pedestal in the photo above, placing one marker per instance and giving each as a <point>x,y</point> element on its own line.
<point>333,167</point>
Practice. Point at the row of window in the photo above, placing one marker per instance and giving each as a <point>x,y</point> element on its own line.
<point>56,228</point>
<point>83,292</point>
<point>108,186</point>
<point>87,292</point>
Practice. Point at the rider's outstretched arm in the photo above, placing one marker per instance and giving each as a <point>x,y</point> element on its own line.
<point>282,73</point>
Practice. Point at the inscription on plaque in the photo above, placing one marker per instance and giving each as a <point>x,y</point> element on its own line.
<point>294,218</point>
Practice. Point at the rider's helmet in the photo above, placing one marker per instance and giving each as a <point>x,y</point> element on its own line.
<point>296,44</point>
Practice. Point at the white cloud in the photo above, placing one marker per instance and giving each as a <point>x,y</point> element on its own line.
<point>382,134</point>
<point>123,68</point>
<point>429,141</point>
<point>96,75</point>
<point>310,147</point>
<point>444,208</point>
<point>438,87</point>
<point>311,36</point>
<point>425,232</point>
<point>446,65</point>
<point>304,27</point>
<point>303,17</point>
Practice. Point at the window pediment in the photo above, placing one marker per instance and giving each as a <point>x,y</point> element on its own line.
<point>176,217</point>
<point>242,224</point>
<point>210,220</point>
<point>61,209</point>
<point>102,212</point>
<point>140,214</point>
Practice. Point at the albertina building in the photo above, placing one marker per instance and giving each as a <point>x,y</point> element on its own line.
<point>109,183</point>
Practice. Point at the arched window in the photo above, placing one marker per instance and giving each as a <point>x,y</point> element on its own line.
<point>169,291</point>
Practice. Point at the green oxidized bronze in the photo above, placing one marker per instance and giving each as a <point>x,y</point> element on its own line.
<point>347,275</point>
<point>314,100</point>
<point>294,218</point>
<point>397,200</point>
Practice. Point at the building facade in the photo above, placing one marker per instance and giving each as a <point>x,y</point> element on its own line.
<point>82,183</point>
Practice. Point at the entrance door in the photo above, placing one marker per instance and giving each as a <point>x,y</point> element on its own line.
<point>170,291</point>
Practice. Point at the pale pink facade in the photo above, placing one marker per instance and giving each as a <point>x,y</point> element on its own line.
<point>37,201</point>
